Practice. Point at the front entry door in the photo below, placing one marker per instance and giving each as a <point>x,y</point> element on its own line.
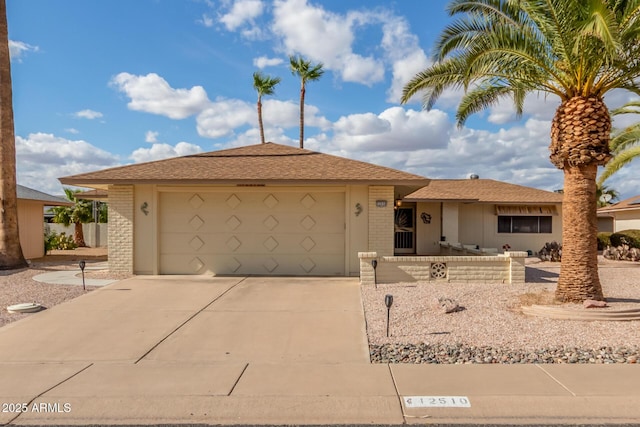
<point>405,230</point>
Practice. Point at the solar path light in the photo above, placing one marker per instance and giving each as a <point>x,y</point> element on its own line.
<point>82,265</point>
<point>374,264</point>
<point>388,301</point>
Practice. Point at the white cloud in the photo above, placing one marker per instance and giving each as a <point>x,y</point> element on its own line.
<point>164,151</point>
<point>263,61</point>
<point>206,20</point>
<point>152,94</point>
<point>301,26</point>
<point>42,158</point>
<point>151,136</point>
<point>18,49</point>
<point>242,12</point>
<point>394,129</point>
<point>72,131</point>
<point>402,48</point>
<point>88,114</point>
<point>223,116</point>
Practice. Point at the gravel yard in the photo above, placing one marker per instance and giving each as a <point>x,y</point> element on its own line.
<point>491,328</point>
<point>18,286</point>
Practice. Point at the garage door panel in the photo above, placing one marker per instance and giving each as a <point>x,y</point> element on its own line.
<point>280,233</point>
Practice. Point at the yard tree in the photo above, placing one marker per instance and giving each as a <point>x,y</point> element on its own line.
<point>11,256</point>
<point>577,50</point>
<point>625,143</point>
<point>307,72</point>
<point>81,212</point>
<point>264,85</point>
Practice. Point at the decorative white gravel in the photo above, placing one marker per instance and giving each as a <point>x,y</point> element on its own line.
<point>492,317</point>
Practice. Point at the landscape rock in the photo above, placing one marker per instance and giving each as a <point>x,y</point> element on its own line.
<point>590,303</point>
<point>447,305</point>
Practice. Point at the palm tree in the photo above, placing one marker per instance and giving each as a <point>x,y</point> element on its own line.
<point>10,251</point>
<point>577,50</point>
<point>78,214</point>
<point>625,143</point>
<point>605,196</point>
<point>264,85</point>
<point>307,73</point>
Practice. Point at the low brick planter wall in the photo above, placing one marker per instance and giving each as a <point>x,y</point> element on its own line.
<point>500,268</point>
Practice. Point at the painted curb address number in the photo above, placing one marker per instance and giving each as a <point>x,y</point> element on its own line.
<point>436,402</point>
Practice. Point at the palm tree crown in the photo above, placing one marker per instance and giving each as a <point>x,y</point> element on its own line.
<point>264,85</point>
<point>81,212</point>
<point>307,73</point>
<point>577,50</point>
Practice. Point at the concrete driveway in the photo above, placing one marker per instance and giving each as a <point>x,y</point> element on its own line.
<point>209,351</point>
<point>193,318</point>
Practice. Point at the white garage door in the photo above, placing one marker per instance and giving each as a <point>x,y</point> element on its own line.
<point>257,232</point>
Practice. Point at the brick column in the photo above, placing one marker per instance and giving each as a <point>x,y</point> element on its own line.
<point>367,275</point>
<point>516,266</point>
<point>121,228</point>
<point>381,228</point>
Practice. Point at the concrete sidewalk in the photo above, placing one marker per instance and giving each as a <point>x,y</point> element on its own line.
<point>266,351</point>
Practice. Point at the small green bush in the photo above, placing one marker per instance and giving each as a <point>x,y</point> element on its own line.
<point>53,240</point>
<point>626,237</point>
<point>604,240</point>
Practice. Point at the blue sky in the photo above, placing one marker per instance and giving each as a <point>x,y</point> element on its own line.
<point>103,83</point>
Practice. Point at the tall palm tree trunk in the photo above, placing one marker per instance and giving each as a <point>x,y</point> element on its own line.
<point>78,235</point>
<point>579,278</point>
<point>580,133</point>
<point>302,91</point>
<point>10,251</point>
<point>260,120</point>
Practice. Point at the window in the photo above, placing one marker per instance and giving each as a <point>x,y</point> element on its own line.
<point>524,224</point>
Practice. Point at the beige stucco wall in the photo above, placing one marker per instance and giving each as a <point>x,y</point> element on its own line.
<point>381,228</point>
<point>31,228</point>
<point>428,235</point>
<point>357,225</point>
<point>121,223</point>
<point>450,222</point>
<point>145,252</point>
<point>627,220</point>
<point>479,226</point>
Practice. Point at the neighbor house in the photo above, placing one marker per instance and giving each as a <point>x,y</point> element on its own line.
<point>280,210</point>
<point>31,207</point>
<point>624,215</point>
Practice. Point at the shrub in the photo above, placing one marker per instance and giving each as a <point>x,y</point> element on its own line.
<point>626,237</point>
<point>53,240</point>
<point>604,240</point>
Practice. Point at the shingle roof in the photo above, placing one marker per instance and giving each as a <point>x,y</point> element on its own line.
<point>482,191</point>
<point>624,205</point>
<point>26,193</point>
<point>254,164</point>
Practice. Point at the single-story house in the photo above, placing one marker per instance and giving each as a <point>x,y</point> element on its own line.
<point>624,215</point>
<point>31,207</point>
<point>280,210</point>
<point>483,213</point>
<point>259,209</point>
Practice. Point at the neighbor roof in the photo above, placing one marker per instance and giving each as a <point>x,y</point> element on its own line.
<point>253,164</point>
<point>26,193</point>
<point>624,205</point>
<point>481,191</point>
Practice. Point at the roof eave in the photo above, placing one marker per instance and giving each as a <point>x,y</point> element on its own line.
<point>104,183</point>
